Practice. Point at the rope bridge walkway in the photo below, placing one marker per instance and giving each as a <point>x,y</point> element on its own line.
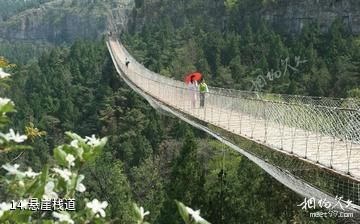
<point>324,132</point>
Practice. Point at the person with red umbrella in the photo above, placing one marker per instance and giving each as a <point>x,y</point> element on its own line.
<point>191,80</point>
<point>195,75</point>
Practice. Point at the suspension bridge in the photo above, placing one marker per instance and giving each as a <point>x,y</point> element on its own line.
<point>310,144</point>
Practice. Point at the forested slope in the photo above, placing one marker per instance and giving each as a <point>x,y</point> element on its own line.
<point>150,159</point>
<point>247,53</point>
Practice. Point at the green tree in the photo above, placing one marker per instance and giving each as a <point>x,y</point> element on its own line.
<point>186,181</point>
<point>147,186</point>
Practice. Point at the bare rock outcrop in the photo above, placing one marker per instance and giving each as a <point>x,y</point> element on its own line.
<point>65,20</point>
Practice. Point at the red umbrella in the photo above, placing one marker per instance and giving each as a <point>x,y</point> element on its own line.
<point>196,75</point>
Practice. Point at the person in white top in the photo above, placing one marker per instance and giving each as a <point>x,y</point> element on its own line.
<point>193,86</point>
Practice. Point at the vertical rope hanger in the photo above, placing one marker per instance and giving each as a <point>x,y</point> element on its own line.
<point>221,176</point>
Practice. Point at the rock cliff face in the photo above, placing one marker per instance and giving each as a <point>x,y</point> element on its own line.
<point>288,16</point>
<point>180,11</point>
<point>66,20</point>
<point>61,21</point>
<point>292,15</point>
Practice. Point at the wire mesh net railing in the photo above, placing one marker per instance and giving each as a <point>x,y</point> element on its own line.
<point>322,131</point>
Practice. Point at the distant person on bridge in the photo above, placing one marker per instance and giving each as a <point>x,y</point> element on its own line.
<point>127,62</point>
<point>203,88</point>
<point>193,89</point>
<point>110,35</point>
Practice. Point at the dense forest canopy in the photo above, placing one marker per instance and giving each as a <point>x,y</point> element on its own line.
<point>235,51</point>
<point>78,89</point>
<point>152,159</point>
